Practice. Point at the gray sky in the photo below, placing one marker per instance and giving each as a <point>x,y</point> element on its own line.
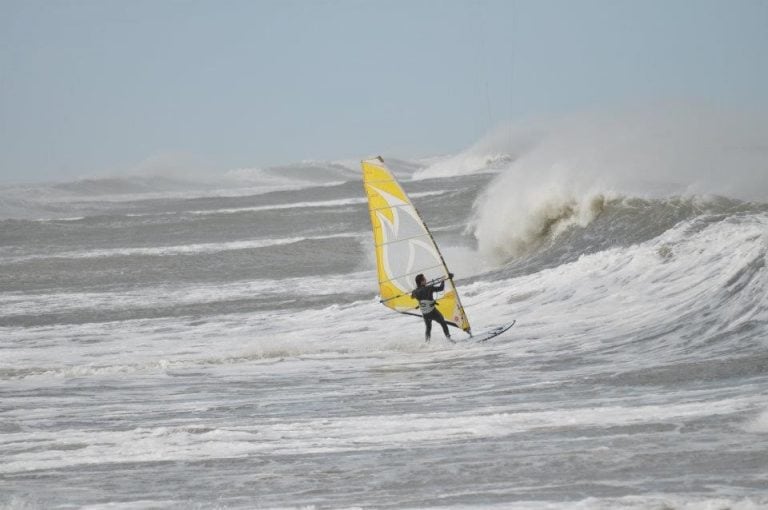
<point>95,87</point>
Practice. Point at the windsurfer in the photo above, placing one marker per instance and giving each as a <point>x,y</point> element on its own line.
<point>424,294</point>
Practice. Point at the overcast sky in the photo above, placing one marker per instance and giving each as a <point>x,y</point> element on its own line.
<point>95,87</point>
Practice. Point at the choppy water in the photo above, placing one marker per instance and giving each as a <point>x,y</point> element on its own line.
<point>225,349</point>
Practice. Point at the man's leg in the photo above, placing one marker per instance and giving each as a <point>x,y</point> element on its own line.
<point>441,320</point>
<point>428,324</point>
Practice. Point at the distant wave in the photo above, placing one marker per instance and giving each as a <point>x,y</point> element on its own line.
<point>493,153</point>
<point>53,201</point>
<point>317,172</point>
<point>163,251</point>
<point>302,173</point>
<point>300,205</point>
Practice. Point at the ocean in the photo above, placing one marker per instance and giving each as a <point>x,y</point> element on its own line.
<point>169,343</point>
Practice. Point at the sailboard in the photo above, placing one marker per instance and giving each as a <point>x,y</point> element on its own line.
<point>405,247</point>
<point>493,332</point>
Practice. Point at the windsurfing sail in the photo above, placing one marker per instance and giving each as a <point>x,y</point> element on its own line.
<point>405,247</point>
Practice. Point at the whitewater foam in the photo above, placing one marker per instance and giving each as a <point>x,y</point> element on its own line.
<point>326,435</point>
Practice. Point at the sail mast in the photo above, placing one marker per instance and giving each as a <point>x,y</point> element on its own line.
<point>445,266</point>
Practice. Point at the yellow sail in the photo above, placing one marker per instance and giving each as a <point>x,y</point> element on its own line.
<point>405,247</point>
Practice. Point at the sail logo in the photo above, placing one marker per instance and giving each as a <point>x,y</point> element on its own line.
<point>406,248</point>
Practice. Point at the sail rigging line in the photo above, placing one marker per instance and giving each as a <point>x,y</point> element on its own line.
<point>401,240</point>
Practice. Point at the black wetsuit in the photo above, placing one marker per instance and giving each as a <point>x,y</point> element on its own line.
<point>425,296</point>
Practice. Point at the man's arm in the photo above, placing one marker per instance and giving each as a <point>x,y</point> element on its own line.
<point>441,286</point>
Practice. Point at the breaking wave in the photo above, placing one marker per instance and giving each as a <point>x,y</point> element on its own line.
<point>578,166</point>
